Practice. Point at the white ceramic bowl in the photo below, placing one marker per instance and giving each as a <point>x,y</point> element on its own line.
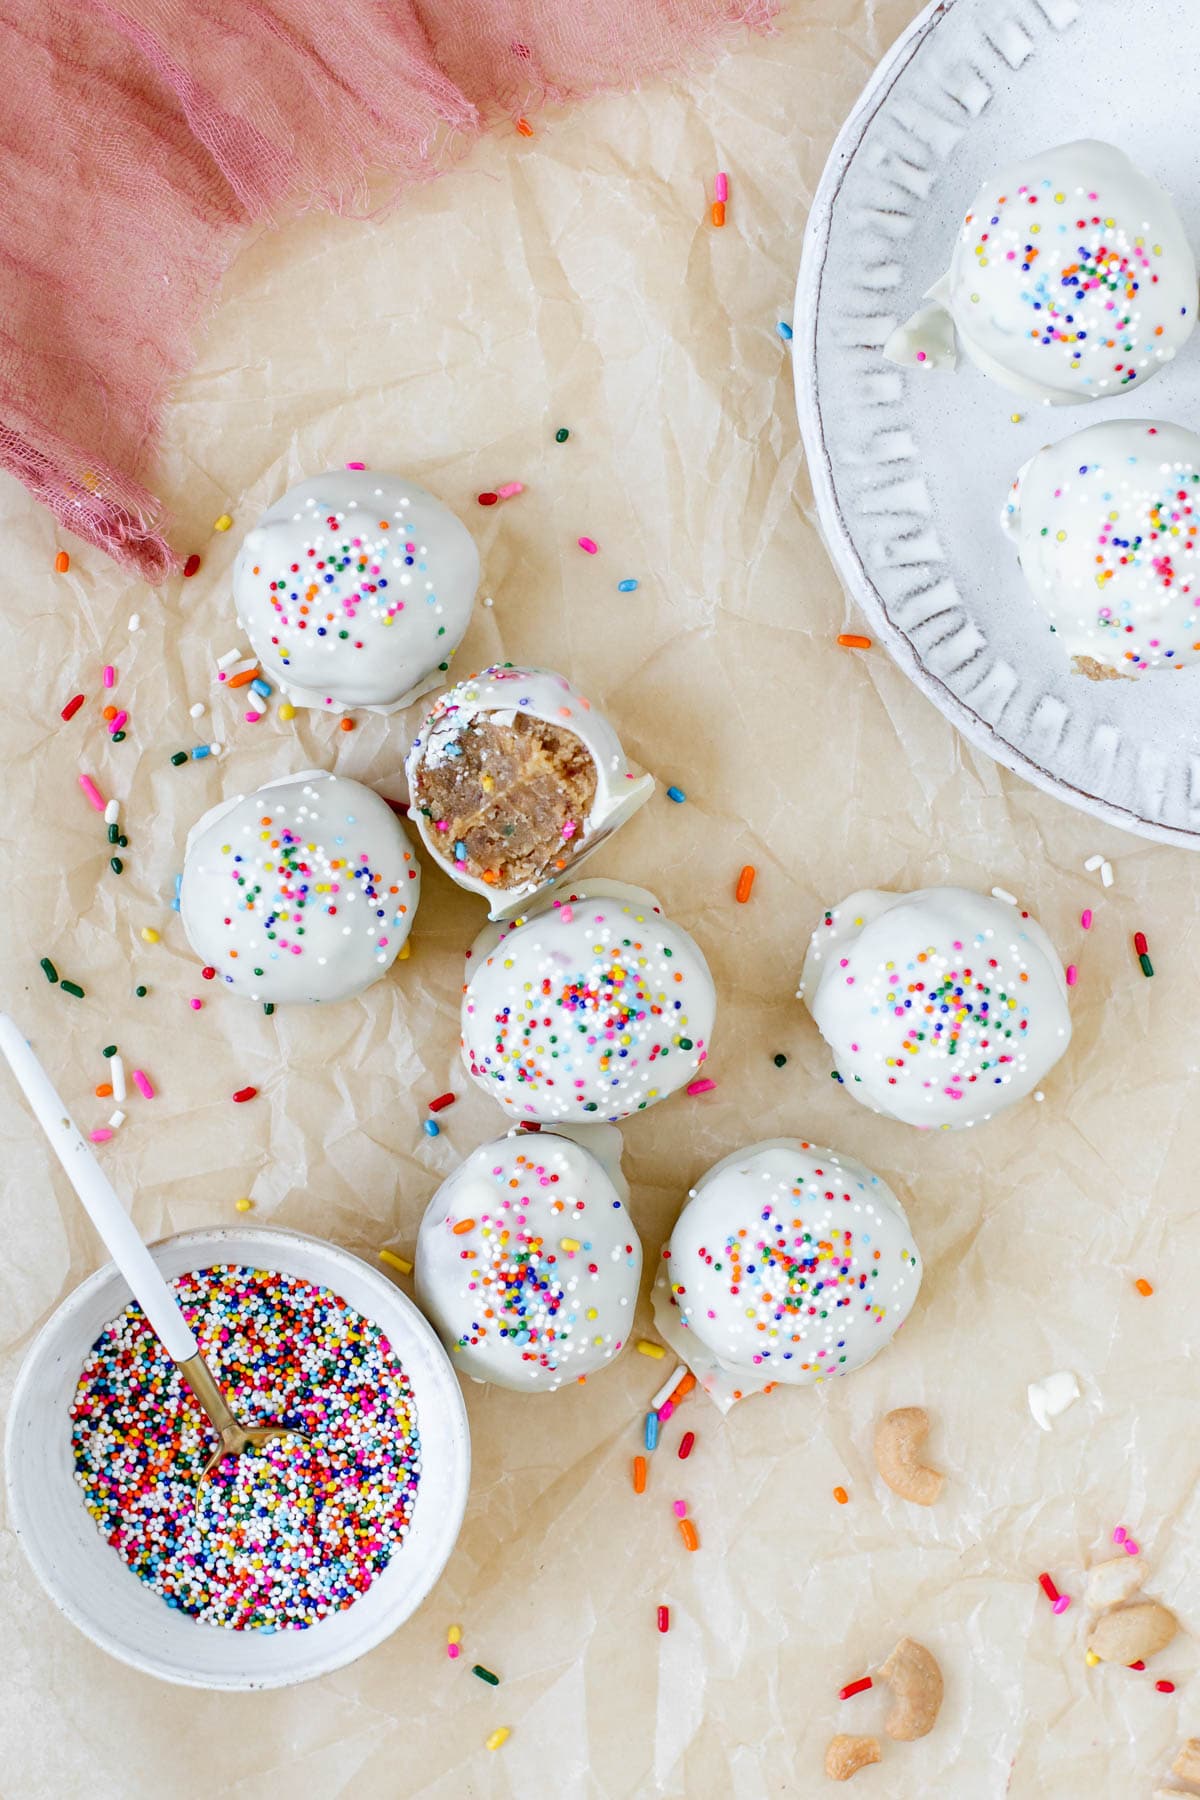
<point>87,1579</point>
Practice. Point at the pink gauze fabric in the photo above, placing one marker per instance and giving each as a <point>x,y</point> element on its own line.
<point>141,138</point>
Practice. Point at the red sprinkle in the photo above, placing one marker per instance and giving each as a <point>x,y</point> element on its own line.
<point>1048,1588</point>
<point>664,1621</point>
<point>208,973</point>
<point>1137,1665</point>
<point>246,1093</point>
<point>1165,1687</point>
<point>72,706</point>
<point>1139,942</point>
<point>488,499</point>
<point>685,1445</point>
<point>192,564</point>
<point>855,1687</point>
<point>442,1101</point>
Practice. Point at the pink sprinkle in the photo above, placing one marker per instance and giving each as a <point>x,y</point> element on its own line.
<point>1131,1549</point>
<point>679,1508</point>
<point>100,1137</point>
<point>920,356</point>
<point>590,545</point>
<point>118,722</point>
<point>1072,974</point>
<point>92,791</point>
<point>705,1086</point>
<point>141,1082</point>
<point>566,914</point>
<point>110,675</point>
<point>195,1005</point>
<point>1085,918</point>
<point>356,465</point>
<point>1119,1535</point>
<point>509,489</point>
<point>665,1411</point>
<point>721,186</point>
<point>1062,1603</point>
<point>452,1650</point>
<point>252,718</point>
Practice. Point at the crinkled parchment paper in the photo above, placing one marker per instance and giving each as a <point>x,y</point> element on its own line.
<point>573,280</point>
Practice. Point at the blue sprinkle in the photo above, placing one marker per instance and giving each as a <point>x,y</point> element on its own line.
<point>784,330</point>
<point>651,1431</point>
<point>627,587</point>
<point>432,1128</point>
<point>460,852</point>
<point>259,686</point>
<point>677,795</point>
<point>200,752</point>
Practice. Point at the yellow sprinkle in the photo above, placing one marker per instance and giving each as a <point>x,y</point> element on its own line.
<point>1091,1659</point>
<point>287,711</point>
<point>1016,418</point>
<point>243,1205</point>
<point>486,783</point>
<point>405,1268</point>
<point>404,952</point>
<point>149,935</point>
<point>223,523</point>
<point>498,1737</point>
<point>569,1244</point>
<point>454,1635</point>
<point>646,1348</point>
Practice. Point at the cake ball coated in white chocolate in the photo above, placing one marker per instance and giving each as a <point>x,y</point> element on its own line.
<point>789,1263</point>
<point>593,1007</point>
<point>514,779</point>
<point>355,590</point>
<point>1107,527</point>
<point>528,1263</point>
<point>304,890</point>
<point>941,1007</point>
<point>1071,279</point>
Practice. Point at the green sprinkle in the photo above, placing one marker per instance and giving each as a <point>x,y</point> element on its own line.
<point>116,865</point>
<point>141,992</point>
<point>48,969</point>
<point>114,832</point>
<point>118,737</point>
<point>123,841</point>
<point>685,1043</point>
<point>109,1050</point>
<point>561,435</point>
<point>780,1059</point>
<point>72,987</point>
<point>1147,965</point>
<point>180,756</point>
<point>486,1675</point>
<point>268,1007</point>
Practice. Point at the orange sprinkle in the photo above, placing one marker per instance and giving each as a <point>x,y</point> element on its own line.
<point>683,1389</point>
<point>851,640</point>
<point>110,712</point>
<point>525,128</point>
<point>688,1533</point>
<point>745,882</point>
<point>718,212</point>
<point>104,1091</point>
<point>463,1226</point>
<point>840,1495</point>
<point>62,562</point>
<point>639,1474</point>
<point>245,678</point>
<point>1143,1286</point>
<point>346,725</point>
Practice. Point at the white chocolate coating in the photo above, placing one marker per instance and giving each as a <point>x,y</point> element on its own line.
<point>528,1263</point>
<point>941,1007</point>
<point>1071,279</point>
<point>594,1007</point>
<point>302,891</point>
<point>355,590</point>
<point>789,1263</point>
<point>1107,527</point>
<point>504,692</point>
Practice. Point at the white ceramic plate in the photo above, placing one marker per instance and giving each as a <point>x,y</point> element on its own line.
<point>87,1579</point>
<point>909,469</point>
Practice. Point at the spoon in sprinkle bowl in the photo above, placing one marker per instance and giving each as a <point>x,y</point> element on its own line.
<point>125,1246</point>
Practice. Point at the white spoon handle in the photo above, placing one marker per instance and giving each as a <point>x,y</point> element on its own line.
<point>99,1197</point>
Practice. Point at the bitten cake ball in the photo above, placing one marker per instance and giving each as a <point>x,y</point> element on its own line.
<point>1071,279</point>
<point>593,1008</point>
<point>528,1263</point>
<point>941,1007</point>
<point>789,1263</point>
<point>1105,524</point>
<point>304,890</point>
<point>514,779</point>
<point>355,590</point>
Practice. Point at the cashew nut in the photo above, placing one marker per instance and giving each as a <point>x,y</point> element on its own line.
<point>1108,1583</point>
<point>1132,1633</point>
<point>898,1438</point>
<point>847,1755</point>
<point>1187,1763</point>
<point>913,1675</point>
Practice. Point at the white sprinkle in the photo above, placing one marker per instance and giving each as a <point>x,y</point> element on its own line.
<point>197,711</point>
<point>1106,874</point>
<point>1003,894</point>
<point>1039,1096</point>
<point>135,620</point>
<point>116,1074</point>
<point>230,656</point>
<point>215,749</point>
<point>112,812</point>
<point>489,601</point>
<point>1092,864</point>
<point>1052,1395</point>
<point>117,1119</point>
<point>667,1389</point>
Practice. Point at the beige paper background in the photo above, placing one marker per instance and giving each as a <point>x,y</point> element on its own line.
<point>574,280</point>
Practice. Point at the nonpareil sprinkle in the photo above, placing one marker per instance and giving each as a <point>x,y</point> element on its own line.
<point>285,1536</point>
